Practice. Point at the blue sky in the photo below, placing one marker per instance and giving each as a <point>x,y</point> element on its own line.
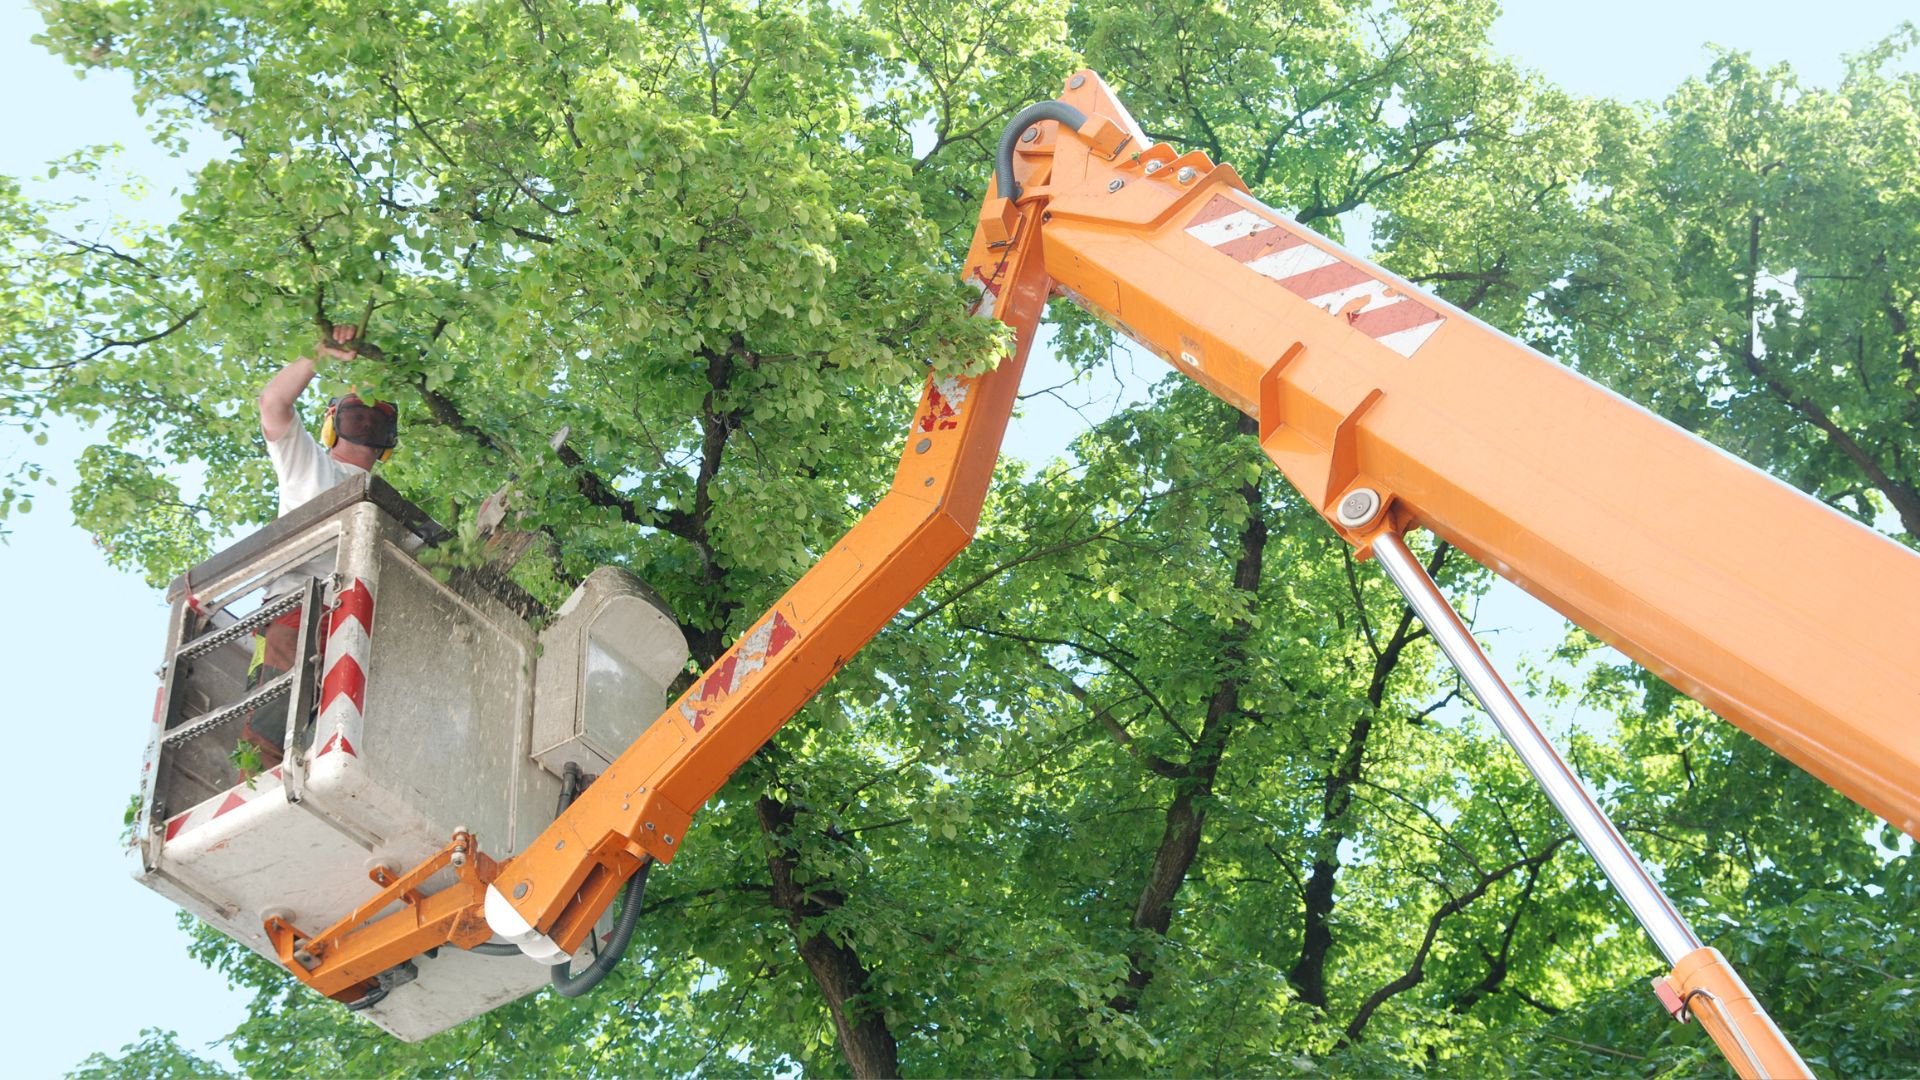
<point>83,640</point>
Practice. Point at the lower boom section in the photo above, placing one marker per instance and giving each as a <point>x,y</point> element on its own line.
<point>547,898</point>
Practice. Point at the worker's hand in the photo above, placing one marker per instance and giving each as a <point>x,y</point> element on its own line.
<point>338,344</point>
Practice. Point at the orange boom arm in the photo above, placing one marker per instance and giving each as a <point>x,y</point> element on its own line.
<point>1387,409</point>
<point>640,807</point>
<point>1777,612</point>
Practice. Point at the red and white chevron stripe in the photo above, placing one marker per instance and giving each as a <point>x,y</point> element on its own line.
<point>343,689</point>
<point>1294,258</point>
<point>749,655</point>
<point>225,803</point>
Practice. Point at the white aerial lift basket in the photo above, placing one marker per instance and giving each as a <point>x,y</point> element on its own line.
<point>405,711</point>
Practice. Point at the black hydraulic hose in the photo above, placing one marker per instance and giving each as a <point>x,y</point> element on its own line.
<point>569,985</point>
<point>1022,120</point>
<point>496,948</point>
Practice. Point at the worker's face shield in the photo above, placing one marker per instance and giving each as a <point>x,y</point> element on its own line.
<point>376,425</point>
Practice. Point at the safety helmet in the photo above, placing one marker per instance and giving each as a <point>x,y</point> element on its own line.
<point>368,423</point>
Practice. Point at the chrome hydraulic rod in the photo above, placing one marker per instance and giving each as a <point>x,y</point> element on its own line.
<point>1623,868</point>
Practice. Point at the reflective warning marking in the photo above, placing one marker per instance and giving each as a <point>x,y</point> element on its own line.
<point>1292,262</point>
<point>946,396</point>
<point>343,689</point>
<point>224,803</point>
<point>751,654</point>
<point>1288,256</point>
<point>1376,292</point>
<point>1237,224</point>
<point>1406,341</point>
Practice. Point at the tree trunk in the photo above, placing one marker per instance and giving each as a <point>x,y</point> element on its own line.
<point>865,1041</point>
<point>1187,816</point>
<point>1309,973</point>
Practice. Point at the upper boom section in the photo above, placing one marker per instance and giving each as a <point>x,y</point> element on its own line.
<point>1780,614</point>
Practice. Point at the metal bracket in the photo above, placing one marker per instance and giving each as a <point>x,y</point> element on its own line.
<point>306,677</point>
<point>152,811</point>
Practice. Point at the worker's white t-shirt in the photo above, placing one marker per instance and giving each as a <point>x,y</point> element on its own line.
<point>305,468</point>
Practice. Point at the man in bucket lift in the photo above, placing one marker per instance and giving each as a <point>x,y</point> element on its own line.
<point>354,435</point>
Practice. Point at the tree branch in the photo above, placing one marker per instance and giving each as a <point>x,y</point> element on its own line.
<point>1416,971</point>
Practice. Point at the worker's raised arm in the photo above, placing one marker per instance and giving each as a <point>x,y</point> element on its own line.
<point>281,391</point>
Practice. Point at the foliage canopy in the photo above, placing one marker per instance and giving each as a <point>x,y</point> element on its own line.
<point>1155,779</point>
